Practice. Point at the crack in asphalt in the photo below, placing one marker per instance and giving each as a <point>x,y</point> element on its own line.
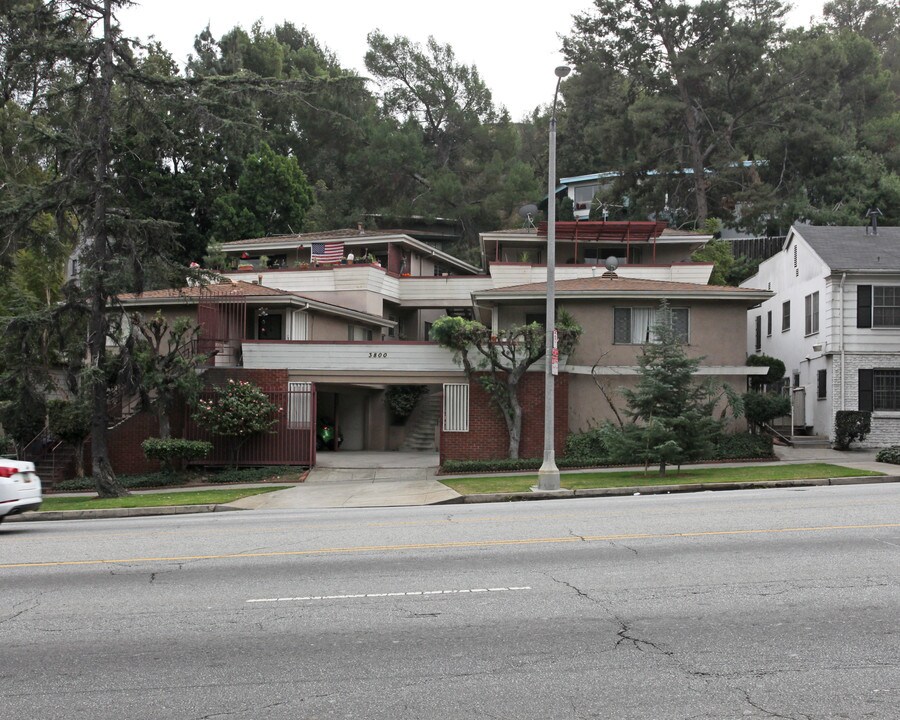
<point>772,713</point>
<point>36,602</point>
<point>581,593</point>
<point>246,709</point>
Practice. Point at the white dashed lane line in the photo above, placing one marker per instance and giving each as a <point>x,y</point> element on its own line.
<point>388,594</point>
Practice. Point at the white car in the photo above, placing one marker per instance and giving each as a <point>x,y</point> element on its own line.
<point>20,488</point>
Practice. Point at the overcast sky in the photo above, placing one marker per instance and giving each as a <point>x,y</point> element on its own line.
<point>513,43</point>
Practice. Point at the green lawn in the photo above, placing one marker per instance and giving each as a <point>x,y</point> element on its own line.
<point>632,478</point>
<point>194,497</point>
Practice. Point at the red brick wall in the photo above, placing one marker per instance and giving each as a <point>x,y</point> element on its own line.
<point>124,443</point>
<point>265,379</point>
<point>488,438</point>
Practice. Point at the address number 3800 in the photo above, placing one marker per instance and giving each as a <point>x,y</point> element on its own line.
<point>377,354</point>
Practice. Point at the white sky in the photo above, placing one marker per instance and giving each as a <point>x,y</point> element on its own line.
<point>513,43</point>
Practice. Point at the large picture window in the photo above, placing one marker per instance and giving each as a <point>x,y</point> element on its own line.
<point>635,325</point>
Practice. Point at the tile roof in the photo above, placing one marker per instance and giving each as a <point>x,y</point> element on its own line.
<point>615,284</point>
<point>219,290</point>
<point>849,248</point>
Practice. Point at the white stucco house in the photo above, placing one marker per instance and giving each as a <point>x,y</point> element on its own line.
<point>834,321</point>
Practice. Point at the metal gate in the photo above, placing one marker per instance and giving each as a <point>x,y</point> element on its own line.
<point>292,440</point>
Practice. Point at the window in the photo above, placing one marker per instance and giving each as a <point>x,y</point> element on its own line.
<point>812,313</point>
<point>269,326</point>
<point>634,325</point>
<point>785,316</point>
<point>879,389</point>
<point>769,324</point>
<point>885,306</point>
<point>821,389</point>
<point>584,195</point>
<point>456,407</point>
<point>356,332</point>
<point>758,323</point>
<point>539,318</point>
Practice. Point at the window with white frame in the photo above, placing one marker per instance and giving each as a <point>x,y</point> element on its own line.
<point>584,195</point>
<point>812,313</point>
<point>885,306</point>
<point>635,325</point>
<point>456,407</point>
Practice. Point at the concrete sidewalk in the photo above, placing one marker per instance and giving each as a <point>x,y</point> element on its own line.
<point>360,479</point>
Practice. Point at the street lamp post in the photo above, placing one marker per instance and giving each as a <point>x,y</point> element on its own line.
<point>548,475</point>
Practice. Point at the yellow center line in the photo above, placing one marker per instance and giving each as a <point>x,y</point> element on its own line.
<point>448,545</point>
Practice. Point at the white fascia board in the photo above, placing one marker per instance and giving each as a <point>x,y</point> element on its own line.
<point>355,241</point>
<point>635,370</point>
<point>751,298</point>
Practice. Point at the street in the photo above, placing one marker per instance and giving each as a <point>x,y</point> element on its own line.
<point>746,604</point>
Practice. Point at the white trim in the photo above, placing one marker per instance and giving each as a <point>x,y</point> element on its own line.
<point>635,370</point>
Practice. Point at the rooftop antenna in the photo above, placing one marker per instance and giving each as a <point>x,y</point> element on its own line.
<point>527,213</point>
<point>872,216</point>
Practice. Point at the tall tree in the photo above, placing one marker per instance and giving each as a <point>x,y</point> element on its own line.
<point>272,197</point>
<point>498,362</point>
<point>471,169</point>
<point>696,77</point>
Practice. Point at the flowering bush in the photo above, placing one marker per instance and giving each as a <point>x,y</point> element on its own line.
<point>239,409</point>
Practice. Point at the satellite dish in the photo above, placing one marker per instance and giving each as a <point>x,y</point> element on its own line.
<point>527,213</point>
<point>612,262</point>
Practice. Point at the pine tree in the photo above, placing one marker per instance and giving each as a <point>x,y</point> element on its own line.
<point>671,415</point>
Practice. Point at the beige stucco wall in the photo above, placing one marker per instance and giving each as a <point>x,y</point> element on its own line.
<point>717,333</point>
<point>327,328</point>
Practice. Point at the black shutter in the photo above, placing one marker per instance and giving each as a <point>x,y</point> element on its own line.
<point>865,390</point>
<point>863,306</point>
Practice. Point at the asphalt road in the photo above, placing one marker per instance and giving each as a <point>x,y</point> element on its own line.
<point>753,604</point>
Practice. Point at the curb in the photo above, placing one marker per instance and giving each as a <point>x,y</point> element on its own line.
<point>668,489</point>
<point>119,512</point>
<point>479,498</point>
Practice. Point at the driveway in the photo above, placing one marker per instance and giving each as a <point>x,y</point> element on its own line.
<point>361,479</point>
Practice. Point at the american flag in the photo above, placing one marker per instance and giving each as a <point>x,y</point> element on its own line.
<point>327,252</point>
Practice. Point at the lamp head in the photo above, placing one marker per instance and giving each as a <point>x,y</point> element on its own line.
<point>562,71</point>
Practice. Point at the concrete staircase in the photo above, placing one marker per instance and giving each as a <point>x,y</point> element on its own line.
<point>420,429</point>
<point>56,465</point>
<point>810,441</point>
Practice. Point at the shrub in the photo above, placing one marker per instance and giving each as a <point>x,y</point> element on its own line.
<point>586,445</point>
<point>761,408</point>
<point>238,411</point>
<point>402,399</point>
<point>776,370</point>
<point>168,451</point>
<point>850,426</point>
<point>743,446</point>
<point>889,455</point>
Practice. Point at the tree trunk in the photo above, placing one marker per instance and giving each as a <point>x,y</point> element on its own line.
<point>104,478</point>
<point>165,428</point>
<point>79,459</point>
<point>513,416</point>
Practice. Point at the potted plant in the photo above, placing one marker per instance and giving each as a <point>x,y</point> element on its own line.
<point>303,265</point>
<point>263,262</point>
